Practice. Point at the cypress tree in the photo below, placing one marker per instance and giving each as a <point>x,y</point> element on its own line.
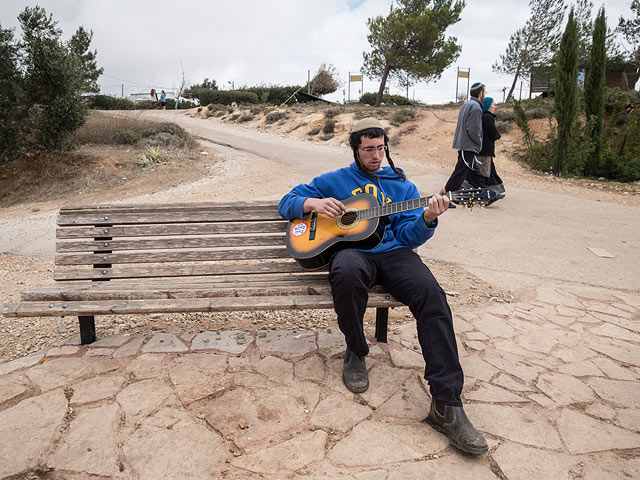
<point>594,92</point>
<point>566,98</point>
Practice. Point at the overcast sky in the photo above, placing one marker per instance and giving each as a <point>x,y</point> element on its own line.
<point>142,44</point>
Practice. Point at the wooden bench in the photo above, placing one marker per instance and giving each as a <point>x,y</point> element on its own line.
<point>190,257</point>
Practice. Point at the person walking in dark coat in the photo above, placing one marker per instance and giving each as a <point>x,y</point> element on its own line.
<point>489,136</point>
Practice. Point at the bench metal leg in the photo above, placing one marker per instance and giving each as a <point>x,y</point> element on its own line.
<point>87,329</point>
<point>382,320</point>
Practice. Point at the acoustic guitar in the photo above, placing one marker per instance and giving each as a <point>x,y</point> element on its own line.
<point>312,240</point>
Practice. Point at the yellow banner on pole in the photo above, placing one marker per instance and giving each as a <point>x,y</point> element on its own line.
<point>355,78</point>
<point>463,74</point>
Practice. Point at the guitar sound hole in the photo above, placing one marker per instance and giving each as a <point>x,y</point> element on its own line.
<point>348,218</point>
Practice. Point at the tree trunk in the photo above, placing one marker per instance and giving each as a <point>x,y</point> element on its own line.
<point>383,81</point>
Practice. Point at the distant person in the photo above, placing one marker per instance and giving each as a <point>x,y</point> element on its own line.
<point>163,100</point>
<point>154,98</point>
<point>467,140</point>
<point>489,136</point>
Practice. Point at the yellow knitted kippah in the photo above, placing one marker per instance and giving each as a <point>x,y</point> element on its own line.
<point>366,123</point>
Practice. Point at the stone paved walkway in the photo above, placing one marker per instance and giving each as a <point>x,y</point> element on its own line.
<point>554,385</point>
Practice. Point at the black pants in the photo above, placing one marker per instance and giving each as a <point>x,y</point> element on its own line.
<point>461,173</point>
<point>352,273</point>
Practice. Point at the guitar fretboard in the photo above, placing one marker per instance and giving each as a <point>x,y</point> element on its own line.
<point>391,208</point>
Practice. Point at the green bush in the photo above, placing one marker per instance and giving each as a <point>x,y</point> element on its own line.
<point>272,94</point>
<point>273,117</point>
<point>403,115</point>
<point>227,97</point>
<point>314,131</point>
<point>127,136</point>
<point>370,99</point>
<point>245,118</point>
<point>107,102</point>
<point>329,126</point>
<point>332,112</point>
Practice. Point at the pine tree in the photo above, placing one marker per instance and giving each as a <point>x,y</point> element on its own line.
<point>595,91</point>
<point>534,44</point>
<point>566,98</point>
<point>411,41</point>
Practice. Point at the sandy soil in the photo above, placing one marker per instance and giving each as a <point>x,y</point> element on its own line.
<point>540,232</point>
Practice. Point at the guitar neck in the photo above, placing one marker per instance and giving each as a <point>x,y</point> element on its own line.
<point>391,208</point>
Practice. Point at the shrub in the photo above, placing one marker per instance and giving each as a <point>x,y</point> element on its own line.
<point>403,115</point>
<point>503,127</point>
<point>275,116</point>
<point>370,99</point>
<point>272,94</point>
<point>537,113</point>
<point>107,102</point>
<point>227,97</point>
<point>326,137</point>
<point>234,117</point>
<point>329,126</point>
<point>127,136</point>
<point>505,115</point>
<point>314,131</point>
<point>151,155</point>
<point>245,118</point>
<point>331,112</point>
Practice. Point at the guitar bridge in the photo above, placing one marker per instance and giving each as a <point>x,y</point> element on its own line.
<point>313,225</point>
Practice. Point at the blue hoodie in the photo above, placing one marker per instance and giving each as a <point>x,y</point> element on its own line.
<point>405,229</point>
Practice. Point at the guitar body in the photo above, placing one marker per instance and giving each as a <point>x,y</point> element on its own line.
<point>312,240</point>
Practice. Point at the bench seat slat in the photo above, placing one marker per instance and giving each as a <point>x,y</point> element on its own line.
<point>153,218</point>
<point>173,229</point>
<point>173,207</point>
<point>221,304</point>
<point>171,243</point>
<point>170,256</point>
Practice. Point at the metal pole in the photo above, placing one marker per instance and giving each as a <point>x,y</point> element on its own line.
<point>309,82</point>
<point>520,90</point>
<point>468,80</point>
<point>123,90</point>
<point>457,77</point>
<point>349,82</point>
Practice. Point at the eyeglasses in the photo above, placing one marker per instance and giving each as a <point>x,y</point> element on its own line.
<point>379,148</point>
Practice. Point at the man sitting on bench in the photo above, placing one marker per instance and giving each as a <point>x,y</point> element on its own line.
<point>394,264</point>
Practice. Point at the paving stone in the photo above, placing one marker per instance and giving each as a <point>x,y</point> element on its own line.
<point>25,442</point>
<point>600,410</point>
<point>628,418</point>
<point>583,434</point>
<point>310,368</point>
<point>518,462</point>
<point>142,398</point>
<point>618,392</point>
<point>475,345</point>
<point>474,366</point>
<point>62,371</point>
<point>544,340</point>
<point>611,466</point>
<point>18,363</point>
<point>153,448</point>
<point>608,310</point>
<point>459,467</point>
<point>130,348</point>
<point>461,324</point>
<point>627,323</point>
<point>146,366</point>
<point>490,393</point>
<point>60,350</point>
<point>198,375</point>
<point>494,327</point>
<point>338,413</point>
<point>286,344</point>
<point>187,337</point>
<point>564,389</point>
<point>289,456</point>
<point>232,341</point>
<point>384,381</point>
<point>97,388</point>
<point>609,330</point>
<point>239,364</point>
<point>90,444</point>
<point>555,295</point>
<point>275,369</point>
<point>513,365</point>
<point>477,336</point>
<point>115,341</point>
<point>99,352</point>
<point>522,425</point>
<point>409,402</point>
<point>509,383</point>
<point>613,370</point>
<point>574,354</point>
<point>362,447</point>
<point>580,369</point>
<point>11,387</point>
<point>620,351</point>
<point>407,358</point>
<point>376,352</point>
<point>331,344</point>
<point>542,400</point>
<point>164,343</point>
<point>252,380</point>
<point>371,475</point>
<point>264,412</point>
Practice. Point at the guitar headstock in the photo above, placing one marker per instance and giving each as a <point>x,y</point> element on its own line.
<point>469,197</point>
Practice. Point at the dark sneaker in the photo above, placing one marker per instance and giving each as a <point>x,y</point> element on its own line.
<point>354,373</point>
<point>455,425</point>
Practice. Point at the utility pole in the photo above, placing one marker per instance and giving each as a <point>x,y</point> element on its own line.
<point>123,90</point>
